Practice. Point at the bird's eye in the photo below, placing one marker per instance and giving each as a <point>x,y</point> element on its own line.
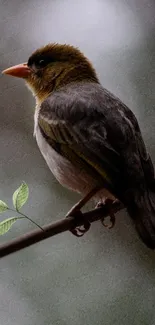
<point>41,63</point>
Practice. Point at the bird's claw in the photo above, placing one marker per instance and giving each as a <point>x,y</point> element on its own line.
<point>81,230</point>
<point>112,222</point>
<point>109,203</point>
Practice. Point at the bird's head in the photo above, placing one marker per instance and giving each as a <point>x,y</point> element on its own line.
<point>52,67</point>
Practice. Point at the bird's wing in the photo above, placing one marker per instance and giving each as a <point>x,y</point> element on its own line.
<point>97,131</point>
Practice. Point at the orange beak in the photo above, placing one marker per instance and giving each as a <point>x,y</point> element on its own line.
<point>21,71</point>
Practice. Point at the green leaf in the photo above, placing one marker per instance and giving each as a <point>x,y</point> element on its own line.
<point>20,196</point>
<point>3,206</point>
<point>6,224</point>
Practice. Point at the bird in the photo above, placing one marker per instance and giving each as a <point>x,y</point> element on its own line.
<point>90,139</point>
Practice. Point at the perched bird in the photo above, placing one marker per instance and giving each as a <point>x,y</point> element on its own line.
<point>90,140</point>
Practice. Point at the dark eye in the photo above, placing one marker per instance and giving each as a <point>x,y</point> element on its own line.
<point>38,63</point>
<point>41,63</point>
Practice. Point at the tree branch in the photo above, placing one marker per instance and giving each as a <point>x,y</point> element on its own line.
<point>55,228</point>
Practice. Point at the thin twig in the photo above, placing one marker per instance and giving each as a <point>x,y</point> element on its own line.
<point>26,217</point>
<point>55,228</point>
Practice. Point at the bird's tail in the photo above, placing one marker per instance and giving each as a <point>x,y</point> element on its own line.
<point>142,209</point>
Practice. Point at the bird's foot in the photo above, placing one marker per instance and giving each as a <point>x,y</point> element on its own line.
<point>77,214</point>
<point>109,204</point>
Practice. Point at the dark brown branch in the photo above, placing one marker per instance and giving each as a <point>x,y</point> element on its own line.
<point>54,229</point>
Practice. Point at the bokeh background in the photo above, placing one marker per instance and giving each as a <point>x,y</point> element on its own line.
<point>107,277</point>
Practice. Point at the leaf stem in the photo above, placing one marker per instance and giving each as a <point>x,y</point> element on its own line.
<point>22,214</point>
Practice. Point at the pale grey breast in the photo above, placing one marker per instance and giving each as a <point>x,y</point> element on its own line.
<point>64,171</point>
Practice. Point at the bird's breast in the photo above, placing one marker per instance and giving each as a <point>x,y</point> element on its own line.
<point>64,171</point>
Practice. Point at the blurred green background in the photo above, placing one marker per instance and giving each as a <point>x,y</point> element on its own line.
<point>107,277</point>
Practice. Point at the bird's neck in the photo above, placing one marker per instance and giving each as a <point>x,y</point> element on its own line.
<point>65,76</point>
<point>75,74</point>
